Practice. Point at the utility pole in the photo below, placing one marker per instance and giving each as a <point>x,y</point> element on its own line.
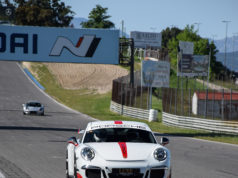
<point>122,28</point>
<point>233,51</point>
<point>226,22</point>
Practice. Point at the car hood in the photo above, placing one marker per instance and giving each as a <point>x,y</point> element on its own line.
<point>123,150</point>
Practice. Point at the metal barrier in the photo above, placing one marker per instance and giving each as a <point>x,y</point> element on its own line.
<point>200,124</point>
<point>130,111</point>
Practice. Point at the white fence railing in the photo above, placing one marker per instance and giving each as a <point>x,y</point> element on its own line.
<point>200,124</point>
<point>146,114</point>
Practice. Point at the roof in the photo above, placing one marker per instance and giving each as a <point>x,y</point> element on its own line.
<point>217,96</point>
<point>117,124</point>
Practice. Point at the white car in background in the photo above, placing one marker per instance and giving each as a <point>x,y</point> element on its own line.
<point>33,107</point>
<point>117,149</point>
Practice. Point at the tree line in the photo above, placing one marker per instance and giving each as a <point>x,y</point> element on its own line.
<point>54,13</point>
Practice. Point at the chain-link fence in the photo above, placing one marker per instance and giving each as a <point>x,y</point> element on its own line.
<point>136,95</point>
<point>126,94</point>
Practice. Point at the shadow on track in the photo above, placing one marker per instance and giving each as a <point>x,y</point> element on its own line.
<point>37,128</point>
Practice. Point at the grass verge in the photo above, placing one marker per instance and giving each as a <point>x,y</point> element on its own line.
<point>97,106</point>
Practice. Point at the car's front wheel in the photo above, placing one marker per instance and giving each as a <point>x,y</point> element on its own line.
<point>67,168</point>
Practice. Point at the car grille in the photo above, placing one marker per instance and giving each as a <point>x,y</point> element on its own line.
<point>125,173</point>
<point>33,112</point>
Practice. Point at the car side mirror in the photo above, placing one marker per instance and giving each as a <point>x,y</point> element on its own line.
<point>164,141</point>
<point>73,141</point>
<point>81,131</point>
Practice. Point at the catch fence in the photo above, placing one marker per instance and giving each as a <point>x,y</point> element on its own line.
<point>133,95</point>
<point>202,103</point>
<point>211,104</point>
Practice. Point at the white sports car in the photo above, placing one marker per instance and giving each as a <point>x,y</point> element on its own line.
<point>33,107</point>
<point>117,149</point>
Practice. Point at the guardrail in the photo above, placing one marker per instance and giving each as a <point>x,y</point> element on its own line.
<point>228,127</point>
<point>146,114</point>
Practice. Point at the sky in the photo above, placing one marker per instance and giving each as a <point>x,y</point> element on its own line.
<point>156,15</point>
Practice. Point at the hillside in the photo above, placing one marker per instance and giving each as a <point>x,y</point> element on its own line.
<point>97,77</point>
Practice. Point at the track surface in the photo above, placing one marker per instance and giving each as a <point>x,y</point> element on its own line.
<point>34,146</point>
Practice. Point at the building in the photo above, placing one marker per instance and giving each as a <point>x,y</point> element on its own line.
<point>217,104</point>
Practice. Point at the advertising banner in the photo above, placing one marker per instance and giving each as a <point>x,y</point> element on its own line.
<point>155,73</point>
<point>146,39</point>
<point>63,45</point>
<point>192,65</point>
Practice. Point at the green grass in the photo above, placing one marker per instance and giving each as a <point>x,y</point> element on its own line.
<point>97,106</point>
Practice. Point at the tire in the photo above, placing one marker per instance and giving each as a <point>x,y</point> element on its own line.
<point>24,113</point>
<point>67,173</point>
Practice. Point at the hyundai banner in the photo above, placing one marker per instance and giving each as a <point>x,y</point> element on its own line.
<point>63,45</point>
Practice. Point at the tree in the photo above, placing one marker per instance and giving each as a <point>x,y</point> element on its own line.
<point>168,34</point>
<point>201,47</point>
<point>188,34</point>
<point>98,19</point>
<point>6,17</point>
<point>42,13</point>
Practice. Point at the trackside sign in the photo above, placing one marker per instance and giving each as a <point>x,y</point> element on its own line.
<point>47,44</point>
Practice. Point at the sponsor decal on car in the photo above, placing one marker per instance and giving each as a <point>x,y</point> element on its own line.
<point>118,126</point>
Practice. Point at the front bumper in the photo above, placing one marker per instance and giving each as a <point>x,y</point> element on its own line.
<point>131,171</point>
<point>39,112</point>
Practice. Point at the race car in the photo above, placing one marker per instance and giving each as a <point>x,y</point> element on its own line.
<point>33,107</point>
<point>117,149</point>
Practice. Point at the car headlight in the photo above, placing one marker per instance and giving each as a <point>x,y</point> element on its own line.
<point>87,153</point>
<point>160,154</point>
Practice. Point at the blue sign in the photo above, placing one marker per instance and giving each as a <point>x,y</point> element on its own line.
<point>47,44</point>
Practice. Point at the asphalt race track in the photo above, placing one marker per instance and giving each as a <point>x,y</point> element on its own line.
<point>34,146</point>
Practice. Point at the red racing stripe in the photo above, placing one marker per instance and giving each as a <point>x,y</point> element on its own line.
<point>123,149</point>
<point>79,176</point>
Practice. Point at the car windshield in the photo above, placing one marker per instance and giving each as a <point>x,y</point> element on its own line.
<point>119,135</point>
<point>33,105</point>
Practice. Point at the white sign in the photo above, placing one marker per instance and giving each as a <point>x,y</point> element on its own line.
<point>146,39</point>
<point>155,73</point>
<point>186,47</point>
<point>192,65</point>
